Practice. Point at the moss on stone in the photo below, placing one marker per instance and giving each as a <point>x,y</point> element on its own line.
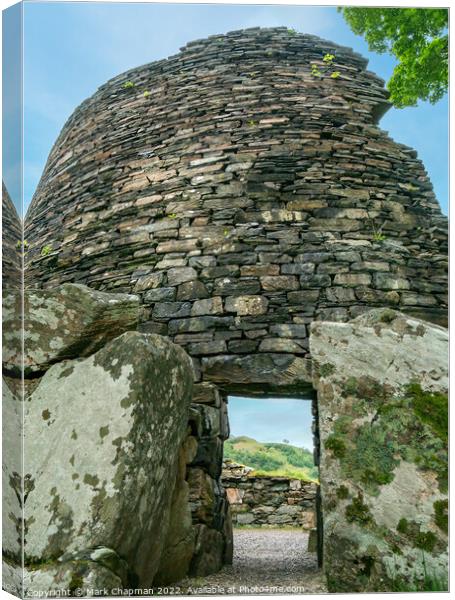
<point>370,452</point>
<point>402,526</point>
<point>441,514</point>
<point>371,460</point>
<point>387,316</point>
<point>75,585</point>
<point>326,369</point>
<point>350,386</point>
<point>342,492</point>
<point>431,408</point>
<point>358,511</point>
<point>424,540</point>
<point>336,445</point>
<point>330,504</point>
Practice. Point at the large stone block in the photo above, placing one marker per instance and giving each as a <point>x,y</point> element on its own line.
<point>267,371</point>
<point>71,321</point>
<point>246,305</point>
<point>101,445</point>
<point>179,544</point>
<point>382,402</point>
<point>209,551</point>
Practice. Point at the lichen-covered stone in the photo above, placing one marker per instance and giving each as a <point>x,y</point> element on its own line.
<point>383,417</point>
<point>71,321</point>
<point>101,445</point>
<point>179,544</point>
<point>12,481</point>
<point>87,574</point>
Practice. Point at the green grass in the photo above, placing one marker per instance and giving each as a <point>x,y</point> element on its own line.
<point>272,459</point>
<point>430,583</point>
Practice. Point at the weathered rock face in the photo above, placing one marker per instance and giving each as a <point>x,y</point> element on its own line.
<point>101,442</point>
<point>242,198</point>
<point>382,395</point>
<point>71,321</point>
<point>11,472</point>
<point>268,501</point>
<point>179,544</point>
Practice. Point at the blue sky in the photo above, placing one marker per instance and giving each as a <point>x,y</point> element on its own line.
<point>272,419</point>
<point>72,48</point>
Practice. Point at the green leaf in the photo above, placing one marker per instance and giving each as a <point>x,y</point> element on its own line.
<point>418,38</point>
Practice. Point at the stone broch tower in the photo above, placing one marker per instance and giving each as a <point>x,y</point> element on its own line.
<point>242,197</point>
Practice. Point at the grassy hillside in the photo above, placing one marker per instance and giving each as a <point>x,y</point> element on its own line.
<point>268,458</point>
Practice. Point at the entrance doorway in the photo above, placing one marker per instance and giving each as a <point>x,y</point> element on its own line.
<point>271,478</point>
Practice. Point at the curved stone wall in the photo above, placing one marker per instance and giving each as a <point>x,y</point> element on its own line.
<point>242,197</point>
<point>11,243</point>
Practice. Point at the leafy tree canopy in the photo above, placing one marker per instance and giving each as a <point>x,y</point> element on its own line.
<point>418,38</point>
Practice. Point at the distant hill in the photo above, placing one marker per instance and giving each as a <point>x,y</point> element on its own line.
<point>268,458</point>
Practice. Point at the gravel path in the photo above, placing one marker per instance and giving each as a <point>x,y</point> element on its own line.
<point>266,561</point>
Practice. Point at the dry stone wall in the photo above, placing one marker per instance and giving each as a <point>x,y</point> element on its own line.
<point>268,501</point>
<point>208,503</point>
<point>11,243</point>
<point>241,197</point>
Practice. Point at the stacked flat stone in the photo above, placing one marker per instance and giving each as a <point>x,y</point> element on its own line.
<point>268,501</point>
<point>241,197</point>
<point>11,243</point>
<point>209,505</point>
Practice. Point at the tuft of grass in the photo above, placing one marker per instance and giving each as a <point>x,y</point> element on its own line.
<point>378,236</point>
<point>288,473</point>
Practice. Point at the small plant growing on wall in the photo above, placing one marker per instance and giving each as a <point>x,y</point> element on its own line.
<point>46,250</point>
<point>326,69</point>
<point>376,232</point>
<point>22,245</point>
<point>128,85</point>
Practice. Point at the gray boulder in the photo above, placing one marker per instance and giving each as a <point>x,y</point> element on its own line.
<point>70,321</point>
<point>382,402</point>
<point>11,470</point>
<point>91,573</point>
<point>102,437</point>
